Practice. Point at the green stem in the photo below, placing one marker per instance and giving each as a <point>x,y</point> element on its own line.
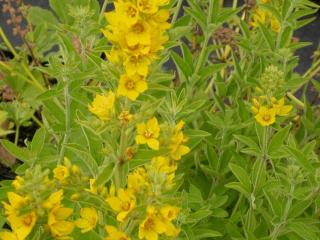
<point>295,100</point>
<point>37,121</point>
<point>67,101</point>
<point>176,13</point>
<point>7,42</point>
<point>202,55</point>
<point>262,161</point>
<point>16,137</point>
<point>103,9</point>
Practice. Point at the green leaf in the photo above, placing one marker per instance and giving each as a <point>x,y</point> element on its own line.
<point>286,37</point>
<point>182,65</point>
<point>21,153</point>
<point>192,133</point>
<point>300,157</point>
<point>241,175</point>
<point>248,141</point>
<point>238,187</point>
<point>105,175</point>
<point>37,16</point>
<point>267,37</point>
<point>198,216</point>
<point>278,139</point>
<point>38,140</point>
<point>206,233</point>
<point>303,230</point>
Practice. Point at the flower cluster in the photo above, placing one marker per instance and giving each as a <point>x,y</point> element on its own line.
<point>137,31</point>
<point>265,114</point>
<point>261,16</point>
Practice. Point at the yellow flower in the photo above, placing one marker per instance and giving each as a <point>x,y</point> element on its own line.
<point>275,25</point>
<point>57,223</point>
<point>280,108</point>
<point>16,202</point>
<point>115,234</point>
<point>125,117</point>
<point>61,173</point>
<point>93,188</point>
<point>163,164</point>
<point>168,214</point>
<point>137,65</point>
<point>259,17</point>
<point>8,236</point>
<point>266,116</point>
<point>114,56</point>
<point>151,226</point>
<point>177,149</point>
<point>17,182</point>
<point>255,105</point>
<point>138,180</point>
<point>131,87</point>
<point>103,106</point>
<point>88,220</point>
<point>148,6</point>
<point>53,200</point>
<point>22,225</point>
<point>123,204</point>
<point>138,33</point>
<point>265,1</point>
<point>128,11</point>
<point>148,133</point>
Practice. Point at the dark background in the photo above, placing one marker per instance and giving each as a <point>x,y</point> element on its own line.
<point>310,33</point>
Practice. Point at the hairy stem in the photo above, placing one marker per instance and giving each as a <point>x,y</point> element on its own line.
<point>67,101</point>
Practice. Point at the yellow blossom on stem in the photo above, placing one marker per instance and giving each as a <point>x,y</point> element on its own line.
<point>266,116</point>
<point>148,133</point>
<point>54,200</point>
<point>131,87</point>
<point>57,222</point>
<point>138,180</point>
<point>148,6</point>
<point>125,117</point>
<point>88,220</point>
<point>177,147</point>
<point>17,182</point>
<point>137,65</point>
<point>16,202</point>
<point>168,214</point>
<point>275,25</point>
<point>138,33</point>
<point>128,12</point>
<point>22,225</point>
<point>280,107</point>
<point>103,106</point>
<point>123,204</point>
<point>163,164</point>
<point>151,226</point>
<point>61,173</point>
<point>115,234</point>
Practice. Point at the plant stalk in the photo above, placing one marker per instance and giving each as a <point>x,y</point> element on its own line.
<point>67,101</point>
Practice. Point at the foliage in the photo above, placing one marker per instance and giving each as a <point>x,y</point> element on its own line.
<point>127,148</point>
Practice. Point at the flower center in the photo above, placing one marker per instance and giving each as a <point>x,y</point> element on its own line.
<point>148,225</point>
<point>145,5</point>
<point>27,220</point>
<point>125,206</point>
<point>266,117</point>
<point>147,134</point>
<point>138,28</point>
<point>130,84</point>
<point>131,12</point>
